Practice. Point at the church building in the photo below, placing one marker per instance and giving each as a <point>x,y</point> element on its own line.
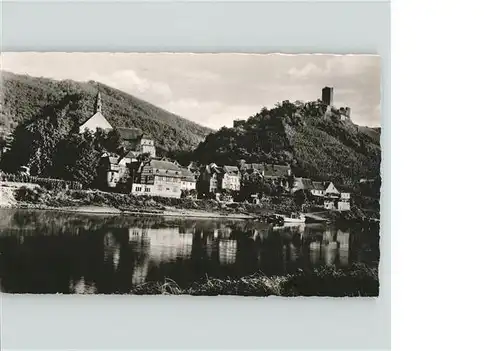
<point>133,139</point>
<point>97,120</point>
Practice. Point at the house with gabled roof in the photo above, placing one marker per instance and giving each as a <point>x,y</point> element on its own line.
<point>230,178</point>
<point>188,180</point>
<point>109,170</point>
<point>318,188</point>
<point>302,184</point>
<point>115,169</point>
<point>268,170</point>
<point>208,179</point>
<point>158,178</point>
<point>331,190</point>
<point>279,175</point>
<point>214,179</point>
<point>134,139</point>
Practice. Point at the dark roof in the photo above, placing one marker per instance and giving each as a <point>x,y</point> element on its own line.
<point>344,188</point>
<point>232,170</point>
<point>318,186</point>
<point>160,167</point>
<point>255,166</point>
<point>307,183</point>
<point>187,175</point>
<point>276,170</point>
<point>213,168</point>
<point>193,166</point>
<point>129,133</point>
<point>269,170</point>
<point>162,164</point>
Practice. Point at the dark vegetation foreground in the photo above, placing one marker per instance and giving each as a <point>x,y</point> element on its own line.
<point>357,280</point>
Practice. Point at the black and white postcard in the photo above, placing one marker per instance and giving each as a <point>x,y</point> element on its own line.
<point>197,174</point>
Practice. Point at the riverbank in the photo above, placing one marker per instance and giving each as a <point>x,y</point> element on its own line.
<point>105,210</point>
<point>99,202</point>
<point>358,280</point>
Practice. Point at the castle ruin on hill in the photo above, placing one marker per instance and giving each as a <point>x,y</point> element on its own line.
<point>327,98</point>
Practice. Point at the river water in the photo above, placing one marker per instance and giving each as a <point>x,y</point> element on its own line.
<point>56,252</point>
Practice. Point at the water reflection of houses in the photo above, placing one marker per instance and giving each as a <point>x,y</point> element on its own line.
<point>207,248</point>
<point>329,247</point>
<point>325,248</point>
<point>343,240</point>
<point>226,245</point>
<point>164,245</point>
<point>82,287</point>
<point>111,249</point>
<point>227,251</point>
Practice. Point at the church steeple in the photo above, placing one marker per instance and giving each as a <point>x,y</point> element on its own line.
<point>98,103</point>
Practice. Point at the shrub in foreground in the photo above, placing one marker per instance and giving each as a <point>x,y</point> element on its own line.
<point>359,280</point>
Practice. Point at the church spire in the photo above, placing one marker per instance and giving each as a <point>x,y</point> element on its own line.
<point>98,103</point>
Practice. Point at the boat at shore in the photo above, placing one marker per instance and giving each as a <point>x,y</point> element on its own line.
<point>294,218</point>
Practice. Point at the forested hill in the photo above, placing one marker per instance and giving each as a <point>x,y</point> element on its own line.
<point>299,134</point>
<point>24,98</point>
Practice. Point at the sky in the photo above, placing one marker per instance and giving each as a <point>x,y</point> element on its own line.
<point>215,89</point>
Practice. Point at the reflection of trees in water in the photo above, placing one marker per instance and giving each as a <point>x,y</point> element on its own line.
<point>56,252</point>
<point>49,259</point>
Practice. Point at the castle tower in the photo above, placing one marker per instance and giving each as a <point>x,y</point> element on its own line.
<point>327,96</point>
<point>98,103</point>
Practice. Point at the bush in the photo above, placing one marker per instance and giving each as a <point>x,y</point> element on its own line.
<point>26,194</point>
<point>47,183</point>
<point>358,280</point>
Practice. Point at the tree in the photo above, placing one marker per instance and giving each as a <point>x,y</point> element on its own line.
<point>109,140</point>
<point>302,196</point>
<point>77,158</point>
<point>35,141</point>
<point>144,157</point>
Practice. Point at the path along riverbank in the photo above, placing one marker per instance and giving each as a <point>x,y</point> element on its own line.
<point>102,203</point>
<point>99,202</point>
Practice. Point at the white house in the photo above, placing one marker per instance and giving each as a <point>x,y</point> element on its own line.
<point>330,189</point>
<point>318,189</point>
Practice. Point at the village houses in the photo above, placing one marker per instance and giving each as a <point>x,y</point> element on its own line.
<point>277,174</point>
<point>214,179</point>
<point>161,177</point>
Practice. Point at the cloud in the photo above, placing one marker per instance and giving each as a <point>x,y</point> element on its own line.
<point>212,88</point>
<point>212,114</point>
<point>130,82</point>
<point>340,66</point>
<point>306,71</point>
<point>205,76</point>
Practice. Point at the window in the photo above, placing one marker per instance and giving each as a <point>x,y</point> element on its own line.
<point>147,190</point>
<point>138,188</point>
